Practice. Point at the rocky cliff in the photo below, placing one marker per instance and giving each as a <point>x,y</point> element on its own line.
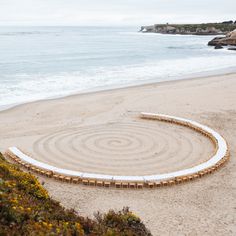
<point>191,29</point>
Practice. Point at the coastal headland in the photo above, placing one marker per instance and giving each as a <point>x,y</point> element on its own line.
<point>191,29</point>
<point>227,28</point>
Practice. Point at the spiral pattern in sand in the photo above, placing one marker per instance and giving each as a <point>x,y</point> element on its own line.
<point>131,148</point>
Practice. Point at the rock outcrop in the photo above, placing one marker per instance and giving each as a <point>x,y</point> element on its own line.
<point>228,40</point>
<point>218,47</point>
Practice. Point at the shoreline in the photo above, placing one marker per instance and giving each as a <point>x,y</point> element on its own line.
<point>188,77</point>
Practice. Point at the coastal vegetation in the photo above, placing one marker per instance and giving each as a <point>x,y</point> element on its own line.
<point>27,209</point>
<point>192,29</point>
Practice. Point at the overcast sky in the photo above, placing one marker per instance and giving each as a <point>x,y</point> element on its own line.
<point>114,12</point>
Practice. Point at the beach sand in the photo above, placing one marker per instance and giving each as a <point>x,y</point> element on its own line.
<point>104,127</point>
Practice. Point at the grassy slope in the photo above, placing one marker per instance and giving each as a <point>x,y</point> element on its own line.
<point>27,209</point>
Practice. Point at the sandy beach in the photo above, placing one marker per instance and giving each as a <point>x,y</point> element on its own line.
<point>101,132</point>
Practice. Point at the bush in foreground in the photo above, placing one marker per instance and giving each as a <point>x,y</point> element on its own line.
<point>27,209</point>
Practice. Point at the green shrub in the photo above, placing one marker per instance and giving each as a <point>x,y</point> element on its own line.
<point>27,209</point>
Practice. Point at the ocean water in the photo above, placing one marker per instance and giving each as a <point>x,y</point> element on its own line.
<point>46,62</point>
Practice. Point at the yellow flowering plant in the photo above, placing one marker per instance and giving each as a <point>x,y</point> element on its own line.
<point>27,209</point>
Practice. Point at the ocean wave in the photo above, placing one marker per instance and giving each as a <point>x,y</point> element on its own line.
<point>25,87</point>
<point>19,33</point>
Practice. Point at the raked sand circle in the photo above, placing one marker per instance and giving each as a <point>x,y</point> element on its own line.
<point>134,148</point>
<point>137,151</point>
